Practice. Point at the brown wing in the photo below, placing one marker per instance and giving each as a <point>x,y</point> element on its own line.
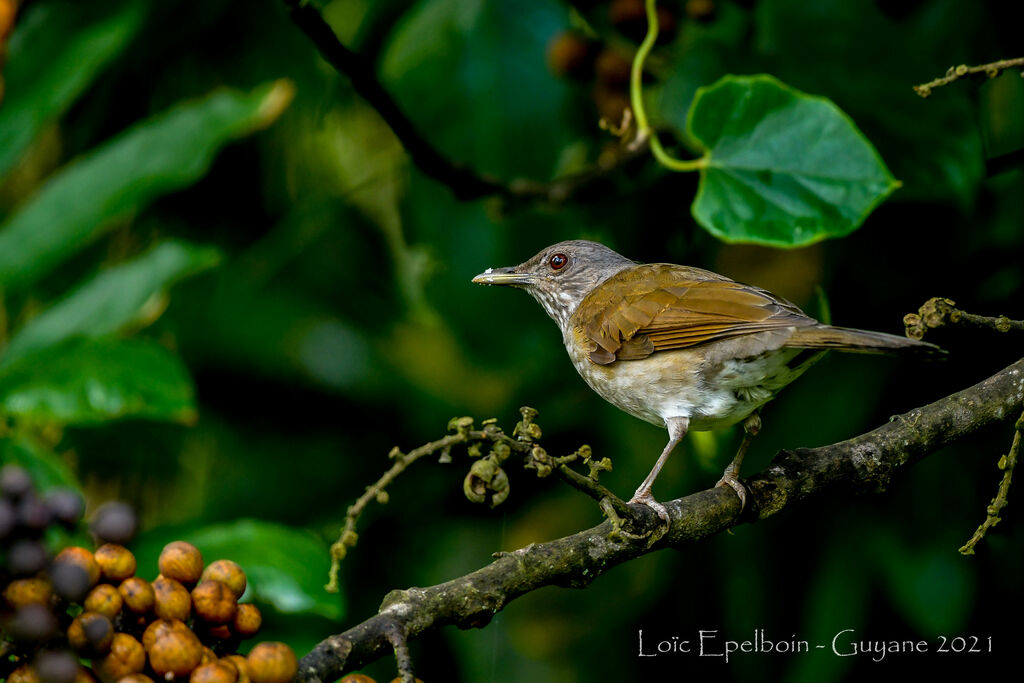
<point>659,307</point>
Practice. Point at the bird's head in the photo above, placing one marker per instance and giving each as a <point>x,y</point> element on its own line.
<point>560,276</point>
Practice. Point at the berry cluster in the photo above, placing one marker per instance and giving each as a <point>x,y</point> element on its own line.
<point>85,606</point>
<point>607,62</point>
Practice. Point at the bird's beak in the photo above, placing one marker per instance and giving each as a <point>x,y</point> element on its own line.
<point>504,276</point>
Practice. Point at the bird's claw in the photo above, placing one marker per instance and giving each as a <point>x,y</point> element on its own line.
<point>649,501</point>
<point>736,486</point>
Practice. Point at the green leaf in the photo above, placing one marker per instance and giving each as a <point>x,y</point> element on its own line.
<point>88,381</point>
<point>56,51</point>
<point>934,146</point>
<point>157,156</point>
<point>46,468</point>
<point>783,168</point>
<point>286,567</point>
<point>113,298</point>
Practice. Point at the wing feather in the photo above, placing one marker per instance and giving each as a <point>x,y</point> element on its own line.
<point>629,318</point>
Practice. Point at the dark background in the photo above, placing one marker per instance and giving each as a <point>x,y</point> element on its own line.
<point>342,322</point>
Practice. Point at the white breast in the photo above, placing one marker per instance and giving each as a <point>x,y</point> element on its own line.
<point>679,384</point>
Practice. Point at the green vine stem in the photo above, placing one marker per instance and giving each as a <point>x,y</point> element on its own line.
<point>643,126</point>
<point>1006,464</point>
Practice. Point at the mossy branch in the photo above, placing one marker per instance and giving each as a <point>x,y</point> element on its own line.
<point>866,463</point>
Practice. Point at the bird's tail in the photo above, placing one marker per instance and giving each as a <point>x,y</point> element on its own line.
<point>859,341</point>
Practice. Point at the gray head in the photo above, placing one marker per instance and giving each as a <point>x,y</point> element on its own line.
<point>560,276</point>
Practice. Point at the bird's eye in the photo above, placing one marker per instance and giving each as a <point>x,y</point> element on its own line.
<point>558,261</point>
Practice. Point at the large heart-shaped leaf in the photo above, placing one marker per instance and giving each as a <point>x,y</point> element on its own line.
<point>782,167</point>
<point>88,381</point>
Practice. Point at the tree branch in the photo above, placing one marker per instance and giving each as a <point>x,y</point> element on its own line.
<point>865,463</point>
<point>464,182</point>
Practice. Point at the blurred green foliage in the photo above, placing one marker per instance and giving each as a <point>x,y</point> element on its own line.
<point>225,294</point>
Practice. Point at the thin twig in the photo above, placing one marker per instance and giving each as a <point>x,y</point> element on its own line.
<point>597,491</point>
<point>955,73</point>
<point>464,182</point>
<point>526,433</point>
<point>939,312</point>
<point>378,492</point>
<point>1006,463</point>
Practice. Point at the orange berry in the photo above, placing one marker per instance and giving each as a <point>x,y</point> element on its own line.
<point>91,634</point>
<point>630,18</point>
<point>214,672</point>
<point>160,628</point>
<point>126,657</point>
<point>104,599</point>
<point>8,10</point>
<point>137,594</point>
<point>247,620</point>
<point>228,573</point>
<point>175,654</point>
<point>172,600</point>
<point>214,602</point>
<point>134,678</point>
<point>357,678</point>
<point>181,561</point>
<point>220,632</point>
<point>241,665</point>
<point>23,674</point>
<point>84,675</point>
<point>83,558</point>
<point>613,69</point>
<point>571,55</point>
<point>34,591</point>
<point>116,562</point>
<point>700,10</point>
<point>272,663</point>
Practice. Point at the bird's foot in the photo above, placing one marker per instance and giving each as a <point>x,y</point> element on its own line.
<point>648,500</point>
<point>732,481</point>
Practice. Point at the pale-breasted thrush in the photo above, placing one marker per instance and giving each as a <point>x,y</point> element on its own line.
<point>677,346</point>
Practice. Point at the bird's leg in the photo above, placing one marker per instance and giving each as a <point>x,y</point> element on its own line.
<point>676,431</point>
<point>751,426</point>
